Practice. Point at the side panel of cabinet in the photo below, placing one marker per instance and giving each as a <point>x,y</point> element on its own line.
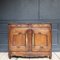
<point>41,40</point>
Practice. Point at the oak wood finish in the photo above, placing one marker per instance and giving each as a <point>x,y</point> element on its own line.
<point>30,40</point>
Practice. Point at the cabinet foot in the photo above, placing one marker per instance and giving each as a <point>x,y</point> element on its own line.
<point>49,57</point>
<point>9,55</point>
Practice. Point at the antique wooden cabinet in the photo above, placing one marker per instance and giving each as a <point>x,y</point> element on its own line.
<point>30,40</point>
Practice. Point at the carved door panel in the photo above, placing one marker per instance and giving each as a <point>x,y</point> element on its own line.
<point>41,40</point>
<point>18,39</point>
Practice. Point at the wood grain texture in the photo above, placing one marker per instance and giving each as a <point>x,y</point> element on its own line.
<point>30,40</point>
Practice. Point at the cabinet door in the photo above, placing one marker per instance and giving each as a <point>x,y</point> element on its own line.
<point>41,40</point>
<point>18,39</point>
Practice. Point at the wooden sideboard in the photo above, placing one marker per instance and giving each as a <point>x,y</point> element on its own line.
<point>30,40</point>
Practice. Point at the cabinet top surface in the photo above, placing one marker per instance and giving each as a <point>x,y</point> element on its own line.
<point>30,25</point>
